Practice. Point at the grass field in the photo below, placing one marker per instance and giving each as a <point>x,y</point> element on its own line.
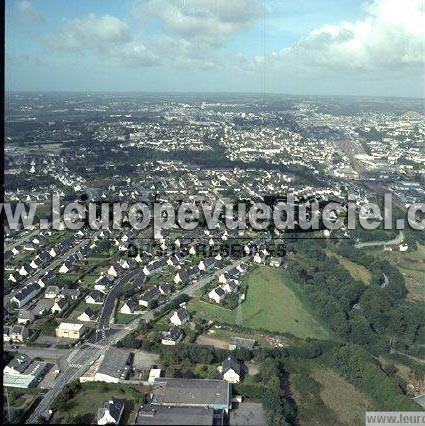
<point>271,304</point>
<point>412,265</point>
<point>358,272</point>
<point>323,397</point>
<point>93,395</point>
<point>341,397</point>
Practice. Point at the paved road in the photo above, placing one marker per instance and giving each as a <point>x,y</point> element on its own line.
<point>44,353</point>
<point>397,240</point>
<point>78,362</point>
<point>104,322</point>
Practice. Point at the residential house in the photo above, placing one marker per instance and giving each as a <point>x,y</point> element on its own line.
<point>25,316</point>
<point>149,296</point>
<point>129,307</point>
<point>51,292</point>
<point>71,293</point>
<point>16,333</point>
<point>104,283</point>
<point>26,294</point>
<point>60,305</point>
<point>87,315</point>
<point>231,370</point>
<point>22,271</point>
<point>111,412</point>
<point>165,289</point>
<point>66,267</point>
<point>44,280</point>
<point>180,317</point>
<point>217,294</point>
<point>231,286</point>
<point>95,298</point>
<point>172,336</point>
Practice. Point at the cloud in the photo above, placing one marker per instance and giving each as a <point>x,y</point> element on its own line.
<point>27,11</point>
<point>108,36</point>
<point>91,32</point>
<point>202,22</point>
<point>390,39</point>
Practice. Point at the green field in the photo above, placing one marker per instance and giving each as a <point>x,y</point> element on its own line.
<point>412,265</point>
<point>271,305</point>
<point>358,272</point>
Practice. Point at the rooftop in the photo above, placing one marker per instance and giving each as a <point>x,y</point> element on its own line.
<point>191,392</point>
<point>157,415</point>
<point>115,363</point>
<point>70,326</point>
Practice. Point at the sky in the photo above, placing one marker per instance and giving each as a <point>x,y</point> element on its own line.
<point>301,47</point>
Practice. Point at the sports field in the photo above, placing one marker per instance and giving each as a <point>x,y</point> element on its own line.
<point>270,304</point>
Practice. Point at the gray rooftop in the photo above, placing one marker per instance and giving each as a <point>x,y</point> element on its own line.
<point>115,363</point>
<point>158,415</point>
<point>190,392</point>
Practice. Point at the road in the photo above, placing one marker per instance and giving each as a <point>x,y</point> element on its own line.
<point>104,322</point>
<point>78,362</point>
<point>397,240</point>
<point>36,352</point>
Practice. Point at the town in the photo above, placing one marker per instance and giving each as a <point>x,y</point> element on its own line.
<point>96,332</point>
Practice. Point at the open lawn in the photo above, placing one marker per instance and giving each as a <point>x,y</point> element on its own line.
<point>83,407</point>
<point>358,272</point>
<point>124,318</point>
<point>271,304</point>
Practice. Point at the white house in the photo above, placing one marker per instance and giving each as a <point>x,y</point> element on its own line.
<point>33,265</point>
<point>172,337</point>
<point>222,279</point>
<point>129,307</point>
<point>64,268</point>
<point>87,315</point>
<point>23,271</point>
<point>95,297</point>
<point>51,292</point>
<point>231,286</point>
<point>217,294</point>
<point>177,278</point>
<point>112,271</point>
<point>26,294</point>
<point>231,370</point>
<point>111,412</point>
<point>180,316</point>
<point>60,305</point>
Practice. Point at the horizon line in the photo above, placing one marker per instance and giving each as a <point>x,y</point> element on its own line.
<point>157,92</point>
